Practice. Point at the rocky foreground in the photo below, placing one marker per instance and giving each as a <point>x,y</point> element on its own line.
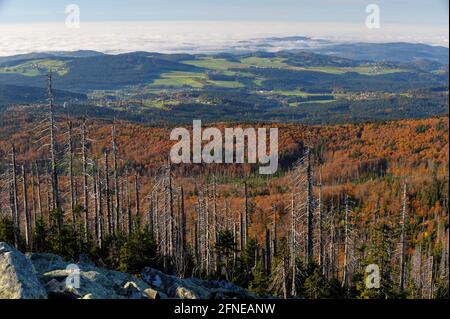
<point>47,276</point>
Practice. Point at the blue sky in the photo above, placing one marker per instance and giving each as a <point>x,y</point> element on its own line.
<point>198,26</point>
<point>431,12</point>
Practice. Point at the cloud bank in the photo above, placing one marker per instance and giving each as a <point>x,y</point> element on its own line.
<point>201,37</point>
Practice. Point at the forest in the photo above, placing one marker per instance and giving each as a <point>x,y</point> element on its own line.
<point>345,197</point>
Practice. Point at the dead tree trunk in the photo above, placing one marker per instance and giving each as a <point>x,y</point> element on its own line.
<point>169,206</point>
<point>320,228</point>
<point>55,188</point>
<point>33,200</point>
<point>71,182</point>
<point>94,183</point>
<point>127,195</point>
<point>293,249</point>
<point>309,209</point>
<point>85,181</point>
<point>15,197</point>
<point>346,244</point>
<point>246,217</point>
<point>101,223</point>
<point>116,178</point>
<point>39,199</point>
<point>107,195</point>
<point>274,233</point>
<point>26,209</point>
<point>183,233</point>
<point>332,264</point>
<point>403,240</point>
<point>137,199</point>
<point>267,256</point>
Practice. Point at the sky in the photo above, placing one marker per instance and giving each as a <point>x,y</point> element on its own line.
<point>168,25</point>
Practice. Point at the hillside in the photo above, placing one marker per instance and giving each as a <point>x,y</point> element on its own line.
<point>285,86</point>
<point>363,169</point>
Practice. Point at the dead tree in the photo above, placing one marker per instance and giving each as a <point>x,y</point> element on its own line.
<point>137,199</point>
<point>85,180</point>
<point>169,210</point>
<point>332,243</point>
<point>183,233</point>
<point>403,240</point>
<point>54,170</point>
<point>302,207</point>
<point>267,250</point>
<point>309,209</point>
<point>33,200</point>
<point>128,197</point>
<point>71,177</point>
<point>116,178</point>
<point>39,199</point>
<point>107,195</point>
<point>274,233</point>
<point>346,243</point>
<point>16,212</point>
<point>101,221</point>
<point>26,209</point>
<point>246,215</point>
<point>96,210</point>
<point>320,228</point>
<point>293,246</point>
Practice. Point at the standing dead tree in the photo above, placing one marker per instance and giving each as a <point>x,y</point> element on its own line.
<point>301,233</point>
<point>108,196</point>
<point>85,180</point>
<point>70,152</point>
<point>116,179</point>
<point>26,210</point>
<point>348,263</point>
<point>403,240</point>
<point>16,217</point>
<point>53,159</point>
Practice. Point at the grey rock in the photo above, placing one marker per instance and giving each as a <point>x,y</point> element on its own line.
<point>18,279</point>
<point>193,288</point>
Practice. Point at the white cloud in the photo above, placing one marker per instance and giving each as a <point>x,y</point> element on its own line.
<point>197,37</point>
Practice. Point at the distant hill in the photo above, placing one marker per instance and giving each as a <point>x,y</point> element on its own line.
<point>47,55</point>
<point>396,52</point>
<point>14,94</point>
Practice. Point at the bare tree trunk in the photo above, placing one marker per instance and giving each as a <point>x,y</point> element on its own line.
<point>274,233</point>
<point>403,240</point>
<point>96,210</point>
<point>33,199</point>
<point>15,197</point>
<point>246,217</point>
<point>85,182</point>
<point>55,188</point>
<point>309,210</point>
<point>293,249</point>
<point>101,221</point>
<point>285,278</point>
<point>346,244</point>
<point>116,178</point>
<point>169,207</point>
<point>108,197</point>
<point>137,199</point>
<point>71,182</point>
<point>50,204</point>
<point>39,199</point>
<point>320,227</point>
<point>127,195</point>
<point>267,257</point>
<point>26,209</point>
<point>332,242</point>
<point>183,233</point>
